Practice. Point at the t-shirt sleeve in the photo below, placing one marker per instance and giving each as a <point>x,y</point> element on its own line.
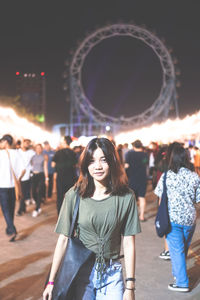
<point>66,213</point>
<point>159,188</point>
<point>132,223</point>
<point>18,164</point>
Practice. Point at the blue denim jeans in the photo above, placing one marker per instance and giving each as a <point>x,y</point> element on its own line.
<point>7,202</point>
<point>26,187</point>
<point>178,241</point>
<point>87,286</point>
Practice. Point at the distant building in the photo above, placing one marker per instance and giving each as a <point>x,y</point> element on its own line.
<point>31,88</point>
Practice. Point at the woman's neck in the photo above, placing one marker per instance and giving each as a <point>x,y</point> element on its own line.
<point>100,191</point>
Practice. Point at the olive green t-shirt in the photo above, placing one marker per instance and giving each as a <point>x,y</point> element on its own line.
<point>101,222</point>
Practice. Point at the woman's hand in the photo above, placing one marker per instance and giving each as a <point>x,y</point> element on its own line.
<point>47,294</point>
<point>129,295</point>
<point>58,254</point>
<point>129,260</point>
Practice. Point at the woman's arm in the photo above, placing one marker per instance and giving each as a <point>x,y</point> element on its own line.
<point>129,260</point>
<point>58,254</point>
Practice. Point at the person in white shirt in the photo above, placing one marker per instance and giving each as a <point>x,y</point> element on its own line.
<point>10,161</point>
<point>26,154</point>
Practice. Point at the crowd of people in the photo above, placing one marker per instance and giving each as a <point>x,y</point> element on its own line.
<point>103,171</point>
<point>36,169</point>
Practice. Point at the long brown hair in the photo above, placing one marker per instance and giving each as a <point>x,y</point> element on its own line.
<point>117,183</point>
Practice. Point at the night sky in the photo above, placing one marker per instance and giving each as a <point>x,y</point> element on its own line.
<point>121,76</point>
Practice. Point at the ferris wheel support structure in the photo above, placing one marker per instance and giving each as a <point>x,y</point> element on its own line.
<point>90,120</point>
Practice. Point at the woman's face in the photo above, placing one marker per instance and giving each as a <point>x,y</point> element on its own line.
<point>38,149</point>
<point>98,167</point>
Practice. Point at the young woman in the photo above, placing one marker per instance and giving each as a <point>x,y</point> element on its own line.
<point>183,190</point>
<point>163,162</point>
<point>107,211</point>
<point>40,177</point>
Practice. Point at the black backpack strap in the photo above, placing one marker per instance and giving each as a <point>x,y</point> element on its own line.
<point>75,214</point>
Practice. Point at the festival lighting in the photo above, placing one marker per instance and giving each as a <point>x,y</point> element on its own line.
<point>169,131</point>
<point>108,128</point>
<point>82,141</point>
<point>181,130</point>
<point>21,128</point>
<point>17,73</point>
<point>42,73</point>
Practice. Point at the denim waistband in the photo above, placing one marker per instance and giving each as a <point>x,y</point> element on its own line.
<point>110,261</point>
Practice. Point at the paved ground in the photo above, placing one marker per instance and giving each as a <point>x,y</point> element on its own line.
<point>24,264</point>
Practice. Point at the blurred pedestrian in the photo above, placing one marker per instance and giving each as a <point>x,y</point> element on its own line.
<point>50,153</point>
<point>120,153</point>
<point>125,149</point>
<point>11,165</point>
<point>183,190</point>
<point>136,162</point>
<point>39,178</point>
<point>26,153</point>
<point>162,162</point>
<point>64,162</point>
<point>78,150</point>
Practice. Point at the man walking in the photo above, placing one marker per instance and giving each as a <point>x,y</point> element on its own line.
<point>26,154</point>
<point>136,161</point>
<point>11,164</point>
<point>64,162</point>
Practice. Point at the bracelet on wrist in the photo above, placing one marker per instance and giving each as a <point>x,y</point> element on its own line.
<point>130,289</point>
<point>130,279</point>
<point>50,283</point>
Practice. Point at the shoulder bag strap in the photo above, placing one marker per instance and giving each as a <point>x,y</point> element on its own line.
<point>75,214</point>
<point>165,187</point>
<point>164,182</point>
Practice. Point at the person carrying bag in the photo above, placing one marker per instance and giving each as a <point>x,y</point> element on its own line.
<point>162,221</point>
<point>107,211</point>
<point>183,190</point>
<point>18,187</point>
<point>12,167</point>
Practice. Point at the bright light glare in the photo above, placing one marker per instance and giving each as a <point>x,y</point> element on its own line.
<point>21,128</point>
<point>82,141</point>
<point>166,132</point>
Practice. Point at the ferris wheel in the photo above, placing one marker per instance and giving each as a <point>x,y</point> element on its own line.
<point>83,113</point>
